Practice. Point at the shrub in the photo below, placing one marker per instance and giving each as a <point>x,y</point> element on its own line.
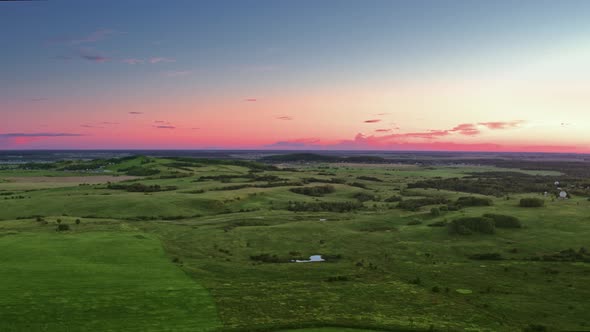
<point>535,328</point>
<point>489,256</point>
<point>314,191</point>
<point>474,201</point>
<point>140,171</point>
<point>324,206</point>
<point>358,185</point>
<point>531,202</point>
<point>414,222</point>
<point>267,258</point>
<point>504,221</point>
<point>337,278</point>
<point>140,187</point>
<point>415,204</point>
<point>468,225</point>
<point>62,227</point>
<point>435,212</point>
<point>438,224</point>
<point>396,198</point>
<point>363,197</point>
<point>369,178</point>
<point>77,221</point>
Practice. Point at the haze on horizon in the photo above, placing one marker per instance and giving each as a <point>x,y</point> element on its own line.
<point>382,75</point>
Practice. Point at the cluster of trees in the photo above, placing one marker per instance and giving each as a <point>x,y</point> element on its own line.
<point>490,183</point>
<point>140,187</point>
<point>415,204</point>
<point>316,191</point>
<point>485,224</point>
<point>332,180</point>
<point>347,206</point>
<point>140,171</point>
<point>313,157</point>
<point>470,225</point>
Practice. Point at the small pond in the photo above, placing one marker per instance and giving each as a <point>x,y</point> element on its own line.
<point>313,258</point>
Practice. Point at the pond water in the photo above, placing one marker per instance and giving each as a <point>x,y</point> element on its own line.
<point>312,258</point>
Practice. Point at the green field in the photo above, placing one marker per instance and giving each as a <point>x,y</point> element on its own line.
<point>210,248</point>
<point>72,282</point>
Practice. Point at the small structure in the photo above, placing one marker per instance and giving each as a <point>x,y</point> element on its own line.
<point>563,195</point>
<point>556,183</point>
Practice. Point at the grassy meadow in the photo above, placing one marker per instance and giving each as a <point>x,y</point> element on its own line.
<point>163,244</point>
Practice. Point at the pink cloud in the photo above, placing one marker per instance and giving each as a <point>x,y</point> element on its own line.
<point>135,113</point>
<point>165,127</point>
<point>286,118</point>
<point>501,124</point>
<point>90,38</point>
<point>178,73</point>
<point>382,130</point>
<point>160,59</point>
<point>373,121</point>
<point>466,129</point>
<point>251,100</point>
<point>133,61</point>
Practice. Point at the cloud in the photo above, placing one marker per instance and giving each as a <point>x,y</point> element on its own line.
<point>250,100</point>
<point>501,124</point>
<point>373,121</point>
<point>381,114</point>
<point>286,118</point>
<point>90,126</point>
<point>38,99</point>
<point>160,59</point>
<point>177,73</point>
<point>24,138</point>
<point>382,130</point>
<point>12,135</point>
<point>91,55</point>
<point>153,60</point>
<point>90,38</point>
<point>133,61</point>
<point>165,127</point>
<point>109,123</point>
<point>466,129</point>
<point>135,113</point>
<point>160,121</point>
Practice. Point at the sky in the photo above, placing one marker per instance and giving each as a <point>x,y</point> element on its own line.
<point>303,75</point>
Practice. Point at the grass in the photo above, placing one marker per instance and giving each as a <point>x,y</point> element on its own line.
<point>390,275</point>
